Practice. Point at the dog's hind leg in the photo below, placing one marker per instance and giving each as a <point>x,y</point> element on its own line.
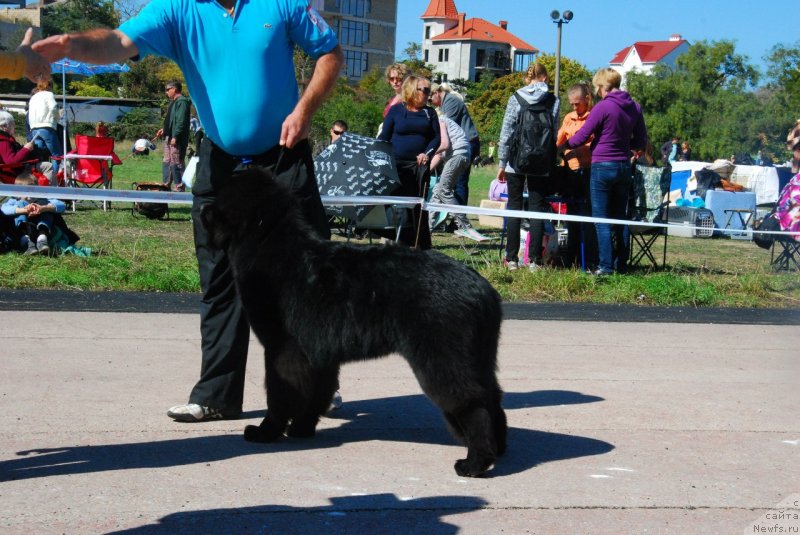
<point>467,407</point>
<point>477,426</point>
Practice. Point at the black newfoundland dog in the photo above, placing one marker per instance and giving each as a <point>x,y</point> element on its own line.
<point>315,304</point>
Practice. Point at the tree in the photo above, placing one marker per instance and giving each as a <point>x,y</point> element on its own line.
<point>488,109</point>
<point>143,81</point>
<point>572,72</point>
<point>78,15</point>
<point>783,73</point>
<point>707,99</point>
<point>412,51</point>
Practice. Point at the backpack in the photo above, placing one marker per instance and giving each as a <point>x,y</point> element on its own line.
<point>151,210</point>
<point>533,142</point>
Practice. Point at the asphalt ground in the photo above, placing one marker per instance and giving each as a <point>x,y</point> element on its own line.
<point>188,303</point>
<point>616,426</point>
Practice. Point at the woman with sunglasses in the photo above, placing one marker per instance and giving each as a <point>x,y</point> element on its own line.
<point>395,74</point>
<point>412,127</point>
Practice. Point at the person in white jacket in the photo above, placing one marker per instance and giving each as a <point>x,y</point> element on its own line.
<point>43,115</point>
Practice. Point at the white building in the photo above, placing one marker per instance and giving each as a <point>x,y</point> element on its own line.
<point>465,48</point>
<point>643,56</point>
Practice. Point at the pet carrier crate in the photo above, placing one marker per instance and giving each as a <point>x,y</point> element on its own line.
<point>689,217</point>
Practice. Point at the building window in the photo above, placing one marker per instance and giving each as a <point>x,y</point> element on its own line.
<point>355,63</point>
<point>447,54</point>
<point>353,33</point>
<point>444,55</point>
<point>357,8</point>
<point>480,57</point>
<point>427,32</point>
<point>426,55</point>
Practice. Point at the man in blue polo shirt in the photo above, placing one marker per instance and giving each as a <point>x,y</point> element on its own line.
<point>237,59</point>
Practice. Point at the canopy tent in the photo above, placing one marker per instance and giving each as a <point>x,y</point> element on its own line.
<point>66,66</point>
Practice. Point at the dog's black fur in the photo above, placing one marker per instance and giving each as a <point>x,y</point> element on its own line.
<point>315,304</point>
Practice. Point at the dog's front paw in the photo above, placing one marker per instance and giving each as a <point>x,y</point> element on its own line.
<point>470,468</point>
<point>301,430</point>
<point>262,433</point>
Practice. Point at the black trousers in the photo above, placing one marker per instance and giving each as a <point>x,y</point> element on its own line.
<point>539,187</point>
<point>224,329</point>
<point>414,180</point>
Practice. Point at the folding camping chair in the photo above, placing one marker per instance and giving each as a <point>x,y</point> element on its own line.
<point>90,164</point>
<point>788,257</point>
<point>649,188</point>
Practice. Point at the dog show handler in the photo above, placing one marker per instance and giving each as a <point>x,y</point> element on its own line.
<point>237,60</point>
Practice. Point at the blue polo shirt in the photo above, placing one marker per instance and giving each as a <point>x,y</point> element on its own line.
<point>239,69</point>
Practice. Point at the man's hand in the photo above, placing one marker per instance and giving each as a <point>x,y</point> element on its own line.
<point>100,45</point>
<point>501,174</point>
<point>295,128</point>
<point>36,67</point>
<point>54,47</point>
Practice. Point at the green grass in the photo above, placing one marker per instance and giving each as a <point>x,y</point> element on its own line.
<point>133,253</point>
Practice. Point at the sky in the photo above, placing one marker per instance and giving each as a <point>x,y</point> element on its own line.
<point>601,29</point>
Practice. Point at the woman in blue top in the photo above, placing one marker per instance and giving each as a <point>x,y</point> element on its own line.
<point>412,127</point>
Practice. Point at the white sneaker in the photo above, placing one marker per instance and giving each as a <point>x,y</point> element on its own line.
<point>470,233</point>
<point>512,265</point>
<point>533,267</point>
<point>42,244</point>
<point>192,412</point>
<point>28,247</point>
<point>336,402</point>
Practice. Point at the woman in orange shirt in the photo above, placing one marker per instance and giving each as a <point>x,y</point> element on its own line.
<point>578,163</point>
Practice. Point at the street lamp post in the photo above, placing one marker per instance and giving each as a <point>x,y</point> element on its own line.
<point>559,19</point>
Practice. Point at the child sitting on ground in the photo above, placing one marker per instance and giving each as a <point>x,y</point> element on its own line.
<point>32,214</point>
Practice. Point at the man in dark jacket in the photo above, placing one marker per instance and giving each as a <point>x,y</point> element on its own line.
<point>453,108</point>
<point>176,135</point>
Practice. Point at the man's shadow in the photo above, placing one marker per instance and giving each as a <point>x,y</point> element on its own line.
<point>345,514</point>
<point>411,418</point>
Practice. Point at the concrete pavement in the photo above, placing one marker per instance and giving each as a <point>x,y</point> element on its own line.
<point>615,427</point>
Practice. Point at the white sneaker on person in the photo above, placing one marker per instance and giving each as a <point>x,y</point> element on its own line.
<point>42,244</point>
<point>192,412</point>
<point>28,247</point>
<point>336,402</point>
<point>471,233</point>
<point>534,267</point>
<point>512,265</point>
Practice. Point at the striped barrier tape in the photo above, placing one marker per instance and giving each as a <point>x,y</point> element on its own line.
<point>93,194</point>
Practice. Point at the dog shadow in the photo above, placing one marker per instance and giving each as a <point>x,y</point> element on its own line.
<point>411,418</point>
<point>345,514</point>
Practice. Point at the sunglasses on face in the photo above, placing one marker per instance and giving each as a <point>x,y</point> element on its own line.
<point>395,79</point>
<point>337,132</point>
<point>425,90</point>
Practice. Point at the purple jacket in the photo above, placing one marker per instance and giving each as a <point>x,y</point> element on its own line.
<point>617,125</point>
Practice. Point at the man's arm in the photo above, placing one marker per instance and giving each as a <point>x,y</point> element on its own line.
<point>298,123</point>
<point>100,46</point>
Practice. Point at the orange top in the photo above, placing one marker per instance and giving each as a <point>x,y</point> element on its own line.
<point>12,65</point>
<point>581,156</point>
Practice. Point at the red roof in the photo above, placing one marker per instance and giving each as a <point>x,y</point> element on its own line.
<point>483,30</point>
<point>649,51</point>
<point>441,9</point>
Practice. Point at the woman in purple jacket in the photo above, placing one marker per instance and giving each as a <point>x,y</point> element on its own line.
<point>618,127</point>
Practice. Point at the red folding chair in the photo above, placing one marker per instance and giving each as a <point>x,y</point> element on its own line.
<point>90,164</point>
